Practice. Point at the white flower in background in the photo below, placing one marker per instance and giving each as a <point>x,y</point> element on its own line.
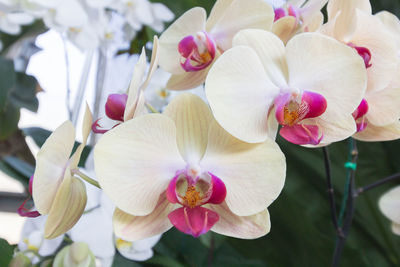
<point>161,14</point>
<point>75,255</point>
<point>276,3</point>
<point>33,241</point>
<point>159,96</point>
<point>389,204</point>
<point>11,20</point>
<point>140,250</point>
<point>136,12</point>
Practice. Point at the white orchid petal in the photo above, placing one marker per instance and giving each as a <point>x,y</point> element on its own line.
<point>254,174</point>
<point>135,161</point>
<point>240,94</point>
<point>50,166</point>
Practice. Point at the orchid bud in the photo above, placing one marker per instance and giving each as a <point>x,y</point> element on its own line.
<point>115,106</point>
<point>77,254</point>
<point>20,260</point>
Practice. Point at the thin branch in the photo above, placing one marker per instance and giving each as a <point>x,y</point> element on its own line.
<point>86,178</point>
<point>68,77</point>
<point>377,183</point>
<point>330,190</point>
<point>350,207</point>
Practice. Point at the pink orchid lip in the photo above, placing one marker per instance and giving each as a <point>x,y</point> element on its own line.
<point>193,221</point>
<point>198,51</point>
<point>364,53</point>
<point>359,115</point>
<point>289,112</point>
<point>96,127</point>
<point>191,218</point>
<point>115,106</point>
<point>291,11</point>
<point>301,134</point>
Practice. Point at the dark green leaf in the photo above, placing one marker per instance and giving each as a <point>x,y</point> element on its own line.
<point>9,119</point>
<point>39,135</point>
<point>6,252</point>
<point>20,166</point>
<point>164,261</point>
<point>120,261</point>
<point>7,80</point>
<point>23,95</point>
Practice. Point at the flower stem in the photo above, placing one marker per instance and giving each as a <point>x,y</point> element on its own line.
<point>377,183</point>
<point>349,199</point>
<point>87,178</point>
<point>330,190</point>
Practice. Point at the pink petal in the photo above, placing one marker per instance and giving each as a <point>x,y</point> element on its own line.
<point>193,221</point>
<point>171,190</point>
<point>361,110</point>
<point>115,106</point>
<point>301,134</point>
<point>293,11</point>
<point>280,103</point>
<point>364,53</point>
<point>316,104</point>
<point>186,46</point>
<point>361,126</point>
<point>218,190</point>
<point>279,13</point>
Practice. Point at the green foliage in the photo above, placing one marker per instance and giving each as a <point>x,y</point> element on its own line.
<point>6,252</point>
<point>17,90</point>
<point>39,135</point>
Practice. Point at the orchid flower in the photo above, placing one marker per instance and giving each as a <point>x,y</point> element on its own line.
<point>351,22</point>
<point>298,16</point>
<point>11,21</point>
<point>181,169</point>
<point>192,43</point>
<point>310,88</point>
<point>123,107</point>
<point>56,191</point>
<point>378,115</point>
<point>389,204</point>
<point>136,12</point>
<point>76,254</point>
<point>161,14</point>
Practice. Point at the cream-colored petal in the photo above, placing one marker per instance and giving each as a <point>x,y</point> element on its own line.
<point>67,208</point>
<point>374,133</point>
<point>240,94</point>
<point>389,204</point>
<point>249,14</point>
<point>320,64</point>
<point>396,228</point>
<point>285,28</point>
<point>135,161</point>
<point>86,129</point>
<point>336,6</point>
<point>245,227</point>
<point>383,106</point>
<point>192,118</point>
<point>333,130</point>
<point>310,9</point>
<point>187,80</point>
<point>392,23</point>
<point>134,87</point>
<point>372,34</point>
<point>155,56</point>
<point>254,174</point>
<point>51,162</point>
<point>314,23</point>
<point>271,52</point>
<point>141,105</point>
<point>217,12</point>
<point>133,228</point>
<point>192,21</point>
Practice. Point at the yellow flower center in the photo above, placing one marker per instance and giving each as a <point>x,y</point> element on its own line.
<point>192,197</point>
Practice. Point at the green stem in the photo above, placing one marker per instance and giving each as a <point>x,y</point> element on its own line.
<point>87,178</point>
<point>152,109</point>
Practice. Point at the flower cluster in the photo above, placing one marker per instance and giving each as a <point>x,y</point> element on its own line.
<point>87,23</point>
<point>203,167</point>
